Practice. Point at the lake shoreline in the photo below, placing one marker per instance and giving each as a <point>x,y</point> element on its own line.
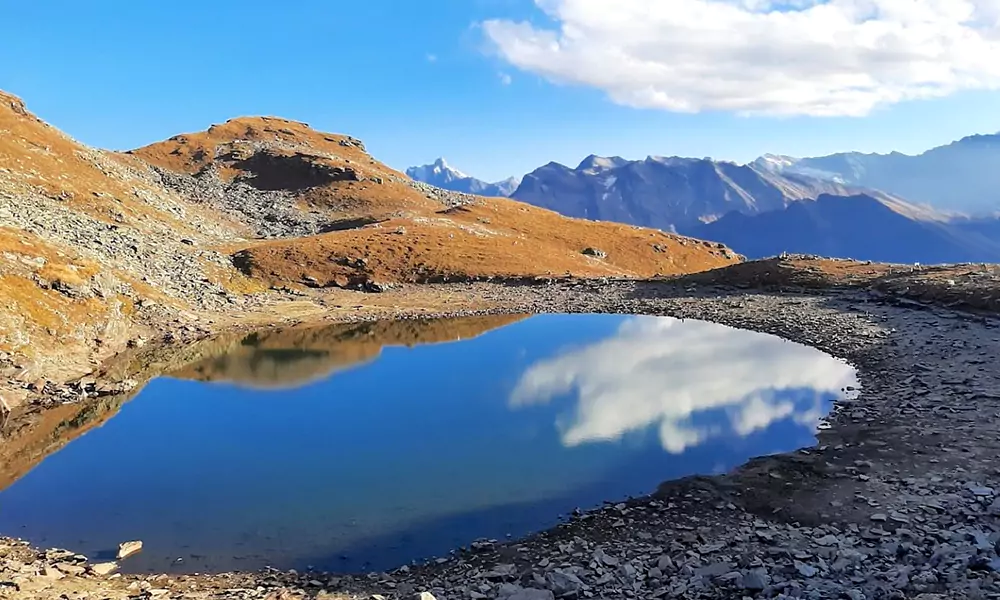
<point>897,497</point>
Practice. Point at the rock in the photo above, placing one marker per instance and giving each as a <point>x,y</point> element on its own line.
<point>982,492</point>
<point>50,572</point>
<point>103,569</point>
<point>501,571</point>
<point>532,594</point>
<point>595,252</point>
<point>71,569</point>
<point>828,540</point>
<point>714,570</point>
<point>880,517</point>
<point>805,570</point>
<point>756,580</point>
<point>423,596</point>
<point>562,583</point>
<point>127,549</point>
<point>665,563</point>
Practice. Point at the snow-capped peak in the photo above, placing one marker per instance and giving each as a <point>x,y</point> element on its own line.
<point>441,166</point>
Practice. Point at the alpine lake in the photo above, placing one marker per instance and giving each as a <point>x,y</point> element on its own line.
<point>352,448</point>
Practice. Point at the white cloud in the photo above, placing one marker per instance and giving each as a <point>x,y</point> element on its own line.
<point>784,57</point>
<point>660,372</point>
<point>505,79</point>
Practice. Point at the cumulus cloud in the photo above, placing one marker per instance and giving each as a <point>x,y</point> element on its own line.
<point>658,372</point>
<point>782,57</point>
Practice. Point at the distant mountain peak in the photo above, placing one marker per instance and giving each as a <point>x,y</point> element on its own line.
<point>601,163</point>
<point>440,174</point>
<point>437,170</point>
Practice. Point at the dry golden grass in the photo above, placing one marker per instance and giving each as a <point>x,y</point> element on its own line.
<point>419,240</point>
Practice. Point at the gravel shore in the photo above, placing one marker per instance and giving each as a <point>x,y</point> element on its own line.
<point>900,498</point>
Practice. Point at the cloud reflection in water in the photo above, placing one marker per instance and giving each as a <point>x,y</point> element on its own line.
<point>659,371</point>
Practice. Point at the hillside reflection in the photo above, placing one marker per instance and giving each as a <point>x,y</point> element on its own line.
<point>296,356</point>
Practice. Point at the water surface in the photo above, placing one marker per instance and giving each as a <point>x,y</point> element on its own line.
<point>358,447</point>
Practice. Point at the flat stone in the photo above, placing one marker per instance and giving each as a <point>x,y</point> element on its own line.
<point>562,583</point>
<point>828,540</point>
<point>756,580</point>
<point>532,594</point>
<point>501,571</point>
<point>127,549</point>
<point>50,572</point>
<point>805,570</point>
<point>71,569</point>
<point>880,517</point>
<point>982,492</point>
<point>105,568</point>
<point>714,570</point>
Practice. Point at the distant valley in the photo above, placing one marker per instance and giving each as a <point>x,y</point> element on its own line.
<point>935,207</point>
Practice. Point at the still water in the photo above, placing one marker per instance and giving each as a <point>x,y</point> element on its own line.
<point>360,447</point>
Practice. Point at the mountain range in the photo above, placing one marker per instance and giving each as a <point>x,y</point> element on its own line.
<point>861,227</point>
<point>937,206</point>
<point>961,176</point>
<point>441,174</point>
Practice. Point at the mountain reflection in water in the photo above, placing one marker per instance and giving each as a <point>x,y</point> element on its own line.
<point>368,445</point>
<point>295,356</point>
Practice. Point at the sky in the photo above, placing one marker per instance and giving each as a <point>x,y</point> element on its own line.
<point>501,87</point>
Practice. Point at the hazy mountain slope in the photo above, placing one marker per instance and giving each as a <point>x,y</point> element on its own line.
<point>859,227</point>
<point>673,194</point>
<point>442,175</point>
<point>962,176</point>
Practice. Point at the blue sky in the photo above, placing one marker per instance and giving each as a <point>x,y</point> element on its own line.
<point>417,80</point>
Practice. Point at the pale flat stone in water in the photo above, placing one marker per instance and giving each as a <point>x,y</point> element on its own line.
<point>127,549</point>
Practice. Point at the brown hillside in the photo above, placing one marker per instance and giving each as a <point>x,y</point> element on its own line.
<point>401,230</point>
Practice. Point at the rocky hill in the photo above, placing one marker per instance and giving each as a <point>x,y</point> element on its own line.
<point>443,175</point>
<point>99,250</point>
<point>669,193</point>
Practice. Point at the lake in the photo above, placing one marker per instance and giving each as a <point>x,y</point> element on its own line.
<point>367,446</point>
